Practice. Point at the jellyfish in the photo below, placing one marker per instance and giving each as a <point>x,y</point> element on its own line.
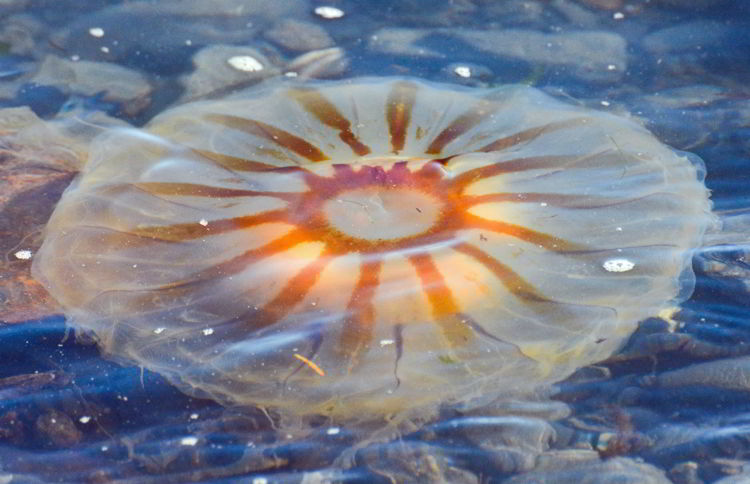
<point>368,248</point>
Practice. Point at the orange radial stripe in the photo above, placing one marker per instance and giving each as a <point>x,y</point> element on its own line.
<point>271,133</point>
<point>461,125</point>
<point>195,230</point>
<point>294,291</point>
<point>235,163</point>
<point>444,307</point>
<point>358,326</point>
<point>531,133</point>
<point>248,258</point>
<point>239,263</point>
<point>538,238</point>
<point>196,190</point>
<point>510,279</point>
<point>399,106</point>
<point>316,104</point>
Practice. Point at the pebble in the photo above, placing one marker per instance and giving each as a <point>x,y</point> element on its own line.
<point>221,67</point>
<point>514,443</point>
<point>619,470</point>
<point>118,84</point>
<point>299,36</point>
<point>589,56</point>
<point>319,64</point>
<point>329,12</point>
<point>21,33</point>
<point>726,374</point>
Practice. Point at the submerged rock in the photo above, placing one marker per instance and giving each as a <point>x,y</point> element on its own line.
<point>297,35</point>
<point>222,67</point>
<point>619,470</point>
<point>594,56</point>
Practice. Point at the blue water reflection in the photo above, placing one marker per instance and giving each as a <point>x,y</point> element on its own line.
<point>652,413</point>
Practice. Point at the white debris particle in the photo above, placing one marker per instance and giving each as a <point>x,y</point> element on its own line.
<point>75,57</point>
<point>96,32</point>
<point>329,12</point>
<point>189,441</point>
<point>386,342</point>
<point>618,265</point>
<point>619,229</point>
<point>84,419</point>
<point>245,63</point>
<point>260,480</point>
<point>23,254</point>
<point>208,331</point>
<point>543,204</point>
<point>188,42</point>
<point>618,15</point>
<point>105,49</point>
<point>291,74</point>
<point>203,222</point>
<point>333,431</point>
<point>159,330</point>
<point>104,448</point>
<point>605,103</point>
<point>611,67</point>
<point>462,71</point>
<point>193,416</point>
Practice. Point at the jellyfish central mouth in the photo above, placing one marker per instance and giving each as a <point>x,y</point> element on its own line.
<point>382,213</point>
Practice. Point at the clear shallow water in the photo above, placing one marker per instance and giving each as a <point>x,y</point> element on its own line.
<point>68,415</point>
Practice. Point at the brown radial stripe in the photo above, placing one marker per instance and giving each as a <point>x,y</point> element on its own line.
<point>531,133</point>
<point>510,279</point>
<point>532,236</point>
<point>398,109</point>
<point>358,326</point>
<point>515,165</point>
<point>196,190</point>
<point>461,125</point>
<point>195,230</point>
<point>444,307</point>
<point>294,291</point>
<point>237,164</point>
<point>316,104</point>
<point>555,199</point>
<point>271,133</point>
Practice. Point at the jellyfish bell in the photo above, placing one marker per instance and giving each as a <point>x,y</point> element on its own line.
<point>375,247</point>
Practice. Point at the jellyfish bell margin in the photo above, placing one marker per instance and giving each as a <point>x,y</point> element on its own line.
<point>373,247</point>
